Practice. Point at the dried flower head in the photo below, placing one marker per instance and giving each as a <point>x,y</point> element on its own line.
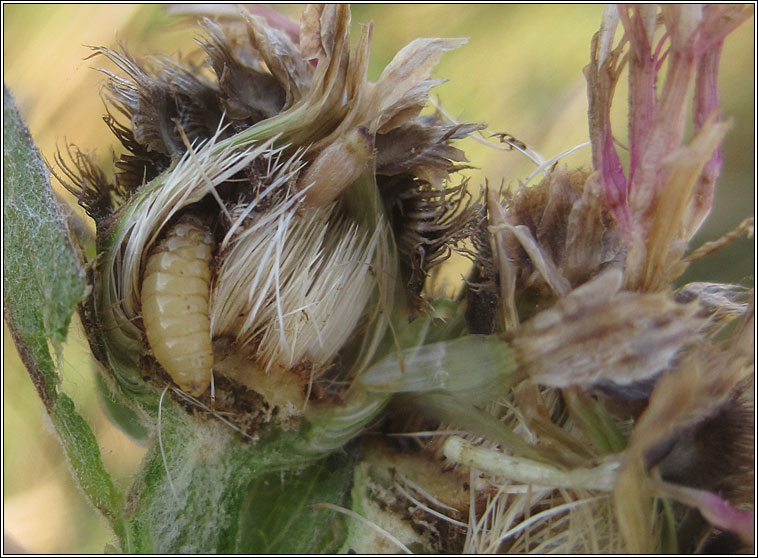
<point>579,271</point>
<point>284,164</point>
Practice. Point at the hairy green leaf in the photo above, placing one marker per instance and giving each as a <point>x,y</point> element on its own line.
<point>277,518</point>
<point>189,494</point>
<point>43,283</point>
<point>83,454</point>
<point>43,280</point>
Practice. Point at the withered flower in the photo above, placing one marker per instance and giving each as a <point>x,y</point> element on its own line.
<point>579,271</point>
<point>289,166</point>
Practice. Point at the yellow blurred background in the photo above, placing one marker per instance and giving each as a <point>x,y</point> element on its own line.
<point>521,72</point>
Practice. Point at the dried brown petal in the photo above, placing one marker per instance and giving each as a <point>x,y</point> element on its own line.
<point>310,32</point>
<point>282,58</point>
<point>421,148</point>
<point>139,165</point>
<point>246,90</point>
<point>403,88</point>
<point>321,28</point>
<point>357,89</point>
<point>592,240</point>
<point>600,333</point>
<point>427,224</point>
<point>85,180</point>
<point>157,100</point>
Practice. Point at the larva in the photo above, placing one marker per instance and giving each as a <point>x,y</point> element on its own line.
<point>175,293</point>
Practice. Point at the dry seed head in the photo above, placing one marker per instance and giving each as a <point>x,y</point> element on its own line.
<point>267,157</point>
<point>282,275</point>
<point>545,240</point>
<point>293,286</point>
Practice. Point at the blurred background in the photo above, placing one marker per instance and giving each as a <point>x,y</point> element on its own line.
<point>521,72</point>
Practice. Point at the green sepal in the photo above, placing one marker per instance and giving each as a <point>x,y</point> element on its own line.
<point>121,414</point>
<point>475,367</point>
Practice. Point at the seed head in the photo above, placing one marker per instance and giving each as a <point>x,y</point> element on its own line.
<point>277,161</point>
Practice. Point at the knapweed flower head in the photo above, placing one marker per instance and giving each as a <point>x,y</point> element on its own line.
<point>259,222</point>
<point>667,191</point>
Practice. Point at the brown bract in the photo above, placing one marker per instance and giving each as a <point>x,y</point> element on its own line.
<point>547,239</point>
<point>598,332</point>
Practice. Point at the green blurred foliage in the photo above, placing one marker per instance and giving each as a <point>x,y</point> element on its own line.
<point>521,72</point>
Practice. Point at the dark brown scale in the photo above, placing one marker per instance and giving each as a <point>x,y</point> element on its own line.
<point>428,224</point>
<point>482,290</point>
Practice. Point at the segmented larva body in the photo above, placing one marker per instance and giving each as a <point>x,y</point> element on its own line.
<point>175,292</point>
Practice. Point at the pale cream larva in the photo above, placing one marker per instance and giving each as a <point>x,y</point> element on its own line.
<point>175,292</point>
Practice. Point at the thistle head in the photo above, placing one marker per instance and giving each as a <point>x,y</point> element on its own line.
<point>284,163</point>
